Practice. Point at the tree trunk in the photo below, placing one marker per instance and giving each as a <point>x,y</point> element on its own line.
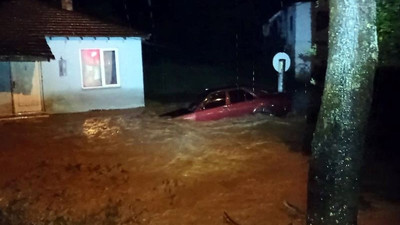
<point>337,147</point>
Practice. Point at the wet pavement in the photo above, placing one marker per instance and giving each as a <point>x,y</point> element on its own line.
<point>131,167</point>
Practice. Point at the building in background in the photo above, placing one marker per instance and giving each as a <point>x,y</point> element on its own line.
<point>293,27</point>
<point>301,30</point>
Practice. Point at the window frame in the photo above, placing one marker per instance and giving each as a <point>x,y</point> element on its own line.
<point>102,69</point>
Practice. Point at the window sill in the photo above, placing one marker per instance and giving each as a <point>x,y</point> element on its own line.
<point>101,87</point>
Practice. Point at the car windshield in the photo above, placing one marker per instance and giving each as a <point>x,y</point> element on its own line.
<point>199,99</point>
<point>208,98</point>
<point>260,93</point>
<point>215,99</point>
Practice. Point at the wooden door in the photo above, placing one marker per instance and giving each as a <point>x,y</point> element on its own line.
<point>26,87</point>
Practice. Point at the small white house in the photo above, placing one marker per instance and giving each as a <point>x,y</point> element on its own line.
<point>293,25</point>
<point>57,60</point>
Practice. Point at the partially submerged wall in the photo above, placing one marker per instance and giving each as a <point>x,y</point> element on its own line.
<point>5,89</point>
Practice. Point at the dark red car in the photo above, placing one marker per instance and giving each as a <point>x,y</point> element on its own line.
<point>233,102</point>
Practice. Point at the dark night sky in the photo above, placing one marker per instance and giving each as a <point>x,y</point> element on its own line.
<point>207,27</point>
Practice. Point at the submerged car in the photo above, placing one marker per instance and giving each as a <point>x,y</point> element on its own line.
<point>234,102</point>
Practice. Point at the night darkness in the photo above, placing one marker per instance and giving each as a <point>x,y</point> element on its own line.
<point>208,39</point>
<point>202,44</point>
<point>133,166</point>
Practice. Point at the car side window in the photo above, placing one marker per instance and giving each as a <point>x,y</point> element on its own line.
<point>214,100</point>
<point>249,96</point>
<point>237,96</point>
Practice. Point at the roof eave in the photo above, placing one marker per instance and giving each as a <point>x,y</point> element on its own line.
<point>141,36</point>
<point>25,58</point>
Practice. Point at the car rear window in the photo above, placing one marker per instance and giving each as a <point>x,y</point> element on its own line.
<point>261,93</point>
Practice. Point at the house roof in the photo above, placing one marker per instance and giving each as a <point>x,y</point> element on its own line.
<point>25,23</point>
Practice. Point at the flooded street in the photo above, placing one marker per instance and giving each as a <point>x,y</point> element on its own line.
<point>131,167</point>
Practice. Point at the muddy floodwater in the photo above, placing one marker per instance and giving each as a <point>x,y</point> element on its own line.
<point>131,167</point>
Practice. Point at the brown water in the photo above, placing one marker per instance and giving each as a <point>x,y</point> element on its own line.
<point>132,167</point>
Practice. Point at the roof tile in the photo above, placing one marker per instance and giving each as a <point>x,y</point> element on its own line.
<point>25,23</point>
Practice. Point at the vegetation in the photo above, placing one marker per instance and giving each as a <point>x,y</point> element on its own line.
<point>388,22</point>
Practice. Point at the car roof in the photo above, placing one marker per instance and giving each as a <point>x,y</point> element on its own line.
<point>208,91</point>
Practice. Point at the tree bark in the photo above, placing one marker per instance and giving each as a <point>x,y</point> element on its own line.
<point>337,147</point>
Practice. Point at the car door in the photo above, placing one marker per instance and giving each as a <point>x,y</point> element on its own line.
<point>240,102</point>
<point>213,107</point>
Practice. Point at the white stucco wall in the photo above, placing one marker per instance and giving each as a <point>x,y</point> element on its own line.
<point>290,26</point>
<point>302,40</point>
<point>65,93</point>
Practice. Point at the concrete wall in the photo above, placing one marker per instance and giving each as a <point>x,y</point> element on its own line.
<point>5,89</point>
<point>303,41</point>
<point>65,93</point>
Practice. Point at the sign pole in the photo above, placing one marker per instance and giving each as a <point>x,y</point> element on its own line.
<point>281,63</point>
<point>281,75</point>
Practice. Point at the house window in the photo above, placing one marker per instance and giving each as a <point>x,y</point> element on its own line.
<point>99,68</point>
